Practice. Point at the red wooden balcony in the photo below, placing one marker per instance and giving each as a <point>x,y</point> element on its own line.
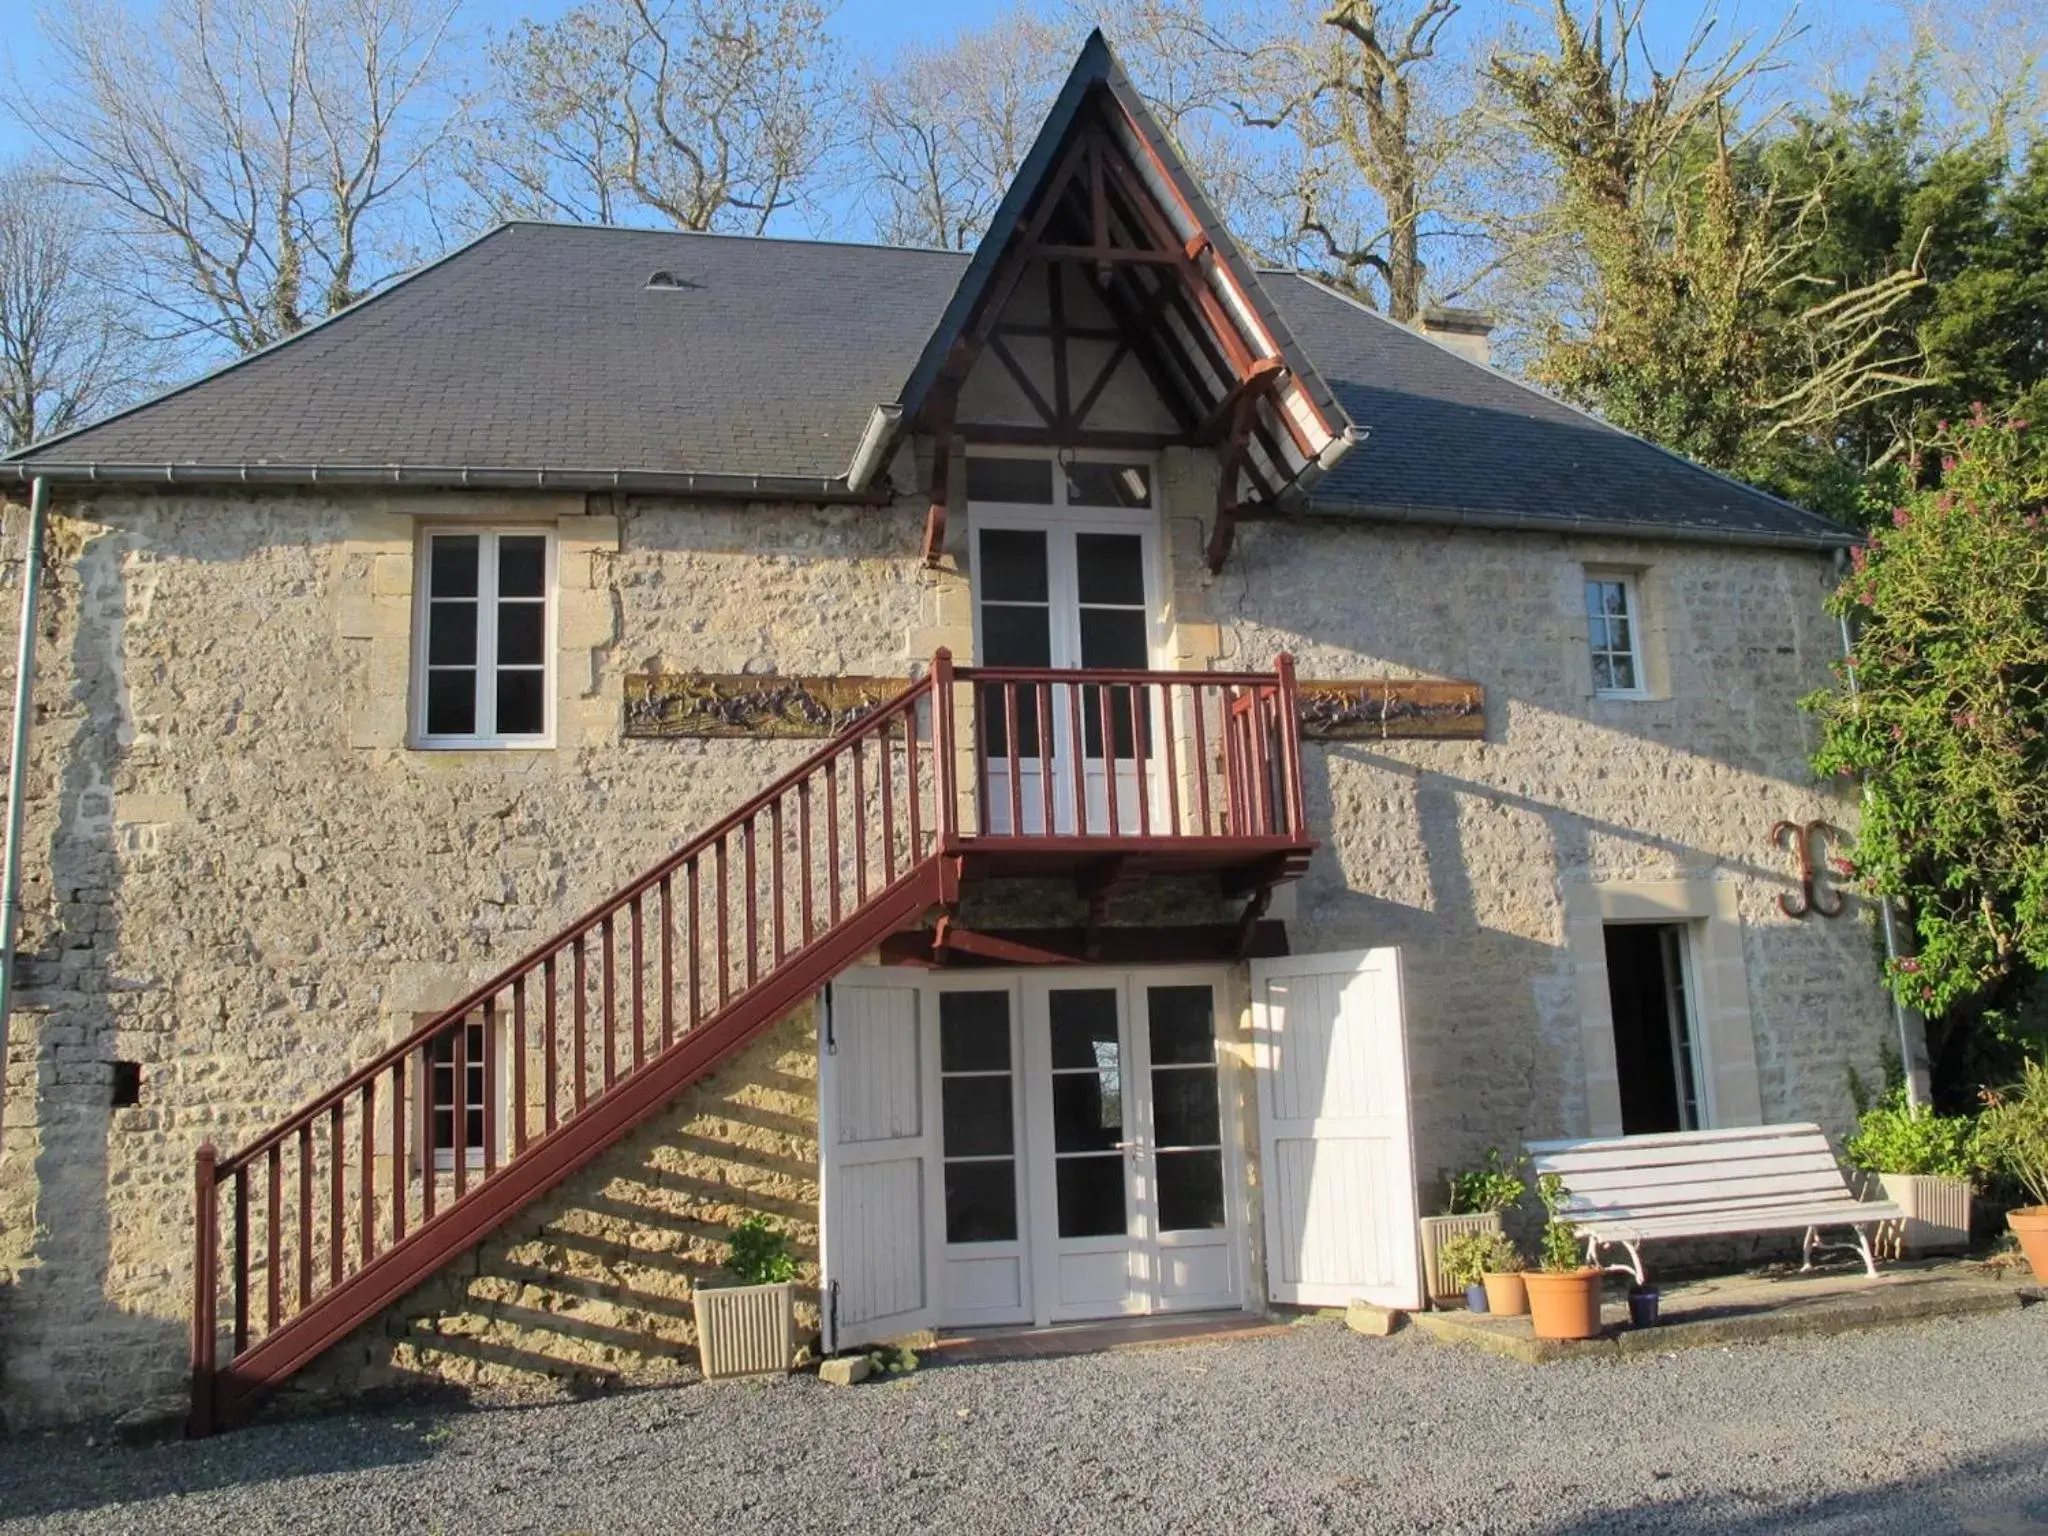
<point>1136,773</point>
<point>346,1203</point>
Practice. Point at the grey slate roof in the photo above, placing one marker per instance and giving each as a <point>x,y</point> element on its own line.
<point>541,346</point>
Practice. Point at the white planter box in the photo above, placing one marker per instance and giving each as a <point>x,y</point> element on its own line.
<point>745,1330</point>
<point>1438,1230</point>
<point>1937,1213</point>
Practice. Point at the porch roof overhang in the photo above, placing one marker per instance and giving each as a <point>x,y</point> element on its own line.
<point>1104,193</point>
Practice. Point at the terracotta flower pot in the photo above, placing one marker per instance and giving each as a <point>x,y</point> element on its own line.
<point>2030,1225</point>
<point>1507,1295</point>
<point>1565,1306</point>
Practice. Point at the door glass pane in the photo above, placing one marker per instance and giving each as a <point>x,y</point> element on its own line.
<point>1017,480</point>
<point>1114,638</point>
<point>974,1031</point>
<point>1083,1026</point>
<point>1108,485</point>
<point>1111,567</point>
<point>1180,1025</point>
<point>975,1113</point>
<point>1013,566</point>
<point>1190,1191</point>
<point>1184,1108</point>
<point>1091,1197</point>
<point>981,1202</point>
<point>1087,1111</point>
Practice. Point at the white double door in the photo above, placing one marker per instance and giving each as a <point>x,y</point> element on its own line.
<point>1069,589</point>
<point>1070,1146</point>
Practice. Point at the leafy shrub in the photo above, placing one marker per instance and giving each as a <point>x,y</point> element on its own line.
<point>2014,1131</point>
<point>892,1360</point>
<point>1471,1256</point>
<point>1495,1185</point>
<point>760,1254</point>
<point>1562,1250</point>
<point>1893,1137</point>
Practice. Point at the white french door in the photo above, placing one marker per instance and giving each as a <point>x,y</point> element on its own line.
<point>1065,575</point>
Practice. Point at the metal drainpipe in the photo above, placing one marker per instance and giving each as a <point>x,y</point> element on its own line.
<point>1911,1026</point>
<point>17,763</point>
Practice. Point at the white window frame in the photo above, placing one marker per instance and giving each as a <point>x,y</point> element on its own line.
<point>497,1085</point>
<point>487,535</point>
<point>1632,598</point>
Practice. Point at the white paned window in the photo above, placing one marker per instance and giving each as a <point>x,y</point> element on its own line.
<point>1613,625</point>
<point>483,673</point>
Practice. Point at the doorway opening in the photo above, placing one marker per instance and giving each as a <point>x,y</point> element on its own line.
<point>1656,1039</point>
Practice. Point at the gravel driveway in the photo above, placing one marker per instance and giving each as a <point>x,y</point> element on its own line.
<point>1937,1427</point>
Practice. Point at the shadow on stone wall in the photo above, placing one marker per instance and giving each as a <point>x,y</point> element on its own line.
<point>589,1289</point>
<point>68,1346</point>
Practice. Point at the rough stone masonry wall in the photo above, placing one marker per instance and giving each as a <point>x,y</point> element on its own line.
<point>1465,853</point>
<point>241,879</point>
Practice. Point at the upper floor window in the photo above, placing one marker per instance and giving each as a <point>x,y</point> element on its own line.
<point>483,669</point>
<point>1613,624</point>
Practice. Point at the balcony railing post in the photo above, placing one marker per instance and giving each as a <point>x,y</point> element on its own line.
<point>205,1291</point>
<point>1290,745</point>
<point>942,741</point>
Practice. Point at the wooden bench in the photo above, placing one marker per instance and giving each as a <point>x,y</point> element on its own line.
<point>1630,1190</point>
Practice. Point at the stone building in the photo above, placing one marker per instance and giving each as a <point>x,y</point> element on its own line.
<point>1227,758</point>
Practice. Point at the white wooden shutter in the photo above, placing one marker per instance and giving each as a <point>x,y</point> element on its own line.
<point>880,1162</point>
<point>1336,1156</point>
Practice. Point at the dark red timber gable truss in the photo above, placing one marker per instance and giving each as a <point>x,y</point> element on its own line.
<point>1104,204</point>
<point>309,1230</point>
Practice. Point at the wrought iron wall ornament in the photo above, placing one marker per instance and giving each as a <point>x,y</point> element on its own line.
<point>1374,710</point>
<point>1810,841</point>
<point>714,704</point>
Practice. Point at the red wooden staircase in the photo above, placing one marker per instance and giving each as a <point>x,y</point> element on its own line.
<point>362,1194</point>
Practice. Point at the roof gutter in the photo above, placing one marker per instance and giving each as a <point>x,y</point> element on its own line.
<point>870,451</point>
<point>1294,497</point>
<point>1509,522</point>
<point>444,477</point>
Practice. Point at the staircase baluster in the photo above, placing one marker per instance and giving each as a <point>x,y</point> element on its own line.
<point>722,950</point>
<point>696,939</point>
<point>885,767</point>
<point>832,836</point>
<point>490,1086</point>
<point>270,1243</point>
<point>398,1158</point>
<point>423,1135</point>
<point>1141,731</point>
<point>305,1213</point>
<point>1102,704</point>
<point>803,837</point>
<point>241,1258</point>
<point>1078,746</point>
<point>753,877</point>
<point>518,1099</point>
<point>1202,758</point>
<point>668,961</point>
<point>910,784</point>
<point>608,937</point>
<point>1166,708</point>
<point>1041,698</point>
<point>458,1149</point>
<point>369,1171</point>
<point>580,978</point>
<point>550,1073</point>
<point>636,934</point>
<point>1013,760</point>
<point>860,823</point>
<point>775,891</point>
<point>336,1200</point>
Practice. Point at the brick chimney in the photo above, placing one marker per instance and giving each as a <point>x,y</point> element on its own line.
<point>1464,331</point>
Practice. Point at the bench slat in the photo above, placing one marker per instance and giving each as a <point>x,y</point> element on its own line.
<point>1847,1213</point>
<point>1784,1149</point>
<point>1814,1171</point>
<point>1758,1133</point>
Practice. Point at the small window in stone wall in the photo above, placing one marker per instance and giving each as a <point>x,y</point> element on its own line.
<point>1613,632</point>
<point>127,1084</point>
<point>483,673</point>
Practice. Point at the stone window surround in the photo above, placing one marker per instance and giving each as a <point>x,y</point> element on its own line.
<point>1731,1095</point>
<point>1650,610</point>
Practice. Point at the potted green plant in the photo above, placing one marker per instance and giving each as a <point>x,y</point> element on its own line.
<point>1477,1198</point>
<point>2014,1139</point>
<point>1462,1263</point>
<point>1564,1295</point>
<point>1923,1163</point>
<point>748,1327</point>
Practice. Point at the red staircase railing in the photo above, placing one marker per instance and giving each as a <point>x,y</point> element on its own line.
<point>346,1204</point>
<point>355,1198</point>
